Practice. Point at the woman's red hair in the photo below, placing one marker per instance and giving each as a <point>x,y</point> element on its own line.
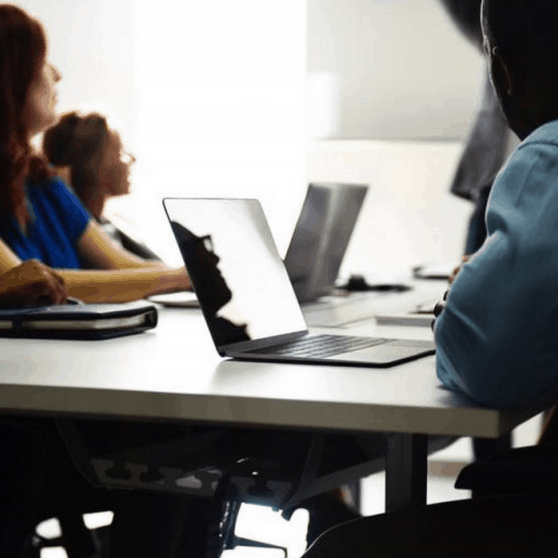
<point>23,49</point>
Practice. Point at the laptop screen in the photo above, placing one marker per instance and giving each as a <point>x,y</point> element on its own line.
<point>301,257</point>
<point>239,278</point>
<point>321,237</point>
<point>344,207</point>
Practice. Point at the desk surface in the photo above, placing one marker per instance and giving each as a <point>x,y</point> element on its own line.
<point>174,373</point>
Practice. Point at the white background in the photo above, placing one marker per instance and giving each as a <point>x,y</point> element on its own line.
<point>221,98</point>
<point>397,68</point>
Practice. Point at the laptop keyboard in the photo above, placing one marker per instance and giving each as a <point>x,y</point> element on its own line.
<point>321,346</point>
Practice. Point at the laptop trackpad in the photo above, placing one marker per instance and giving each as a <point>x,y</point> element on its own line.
<point>393,352</point>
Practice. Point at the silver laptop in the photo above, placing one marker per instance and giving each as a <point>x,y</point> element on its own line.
<point>321,236</point>
<point>319,242</point>
<point>247,298</point>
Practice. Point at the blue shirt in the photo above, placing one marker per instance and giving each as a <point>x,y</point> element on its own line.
<point>497,339</point>
<point>57,222</point>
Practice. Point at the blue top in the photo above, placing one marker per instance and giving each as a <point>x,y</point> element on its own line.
<point>497,339</point>
<point>57,222</point>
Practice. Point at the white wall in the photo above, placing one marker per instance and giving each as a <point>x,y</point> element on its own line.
<point>211,98</point>
<point>219,102</point>
<point>91,43</point>
<point>390,69</point>
<point>409,216</point>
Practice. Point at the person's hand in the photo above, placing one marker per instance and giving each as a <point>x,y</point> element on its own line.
<point>31,284</point>
<point>455,272</point>
<point>179,276</point>
<point>440,307</point>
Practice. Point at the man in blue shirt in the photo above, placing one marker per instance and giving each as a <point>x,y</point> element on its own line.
<point>497,338</point>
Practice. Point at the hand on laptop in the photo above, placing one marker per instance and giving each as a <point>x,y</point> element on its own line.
<point>31,284</point>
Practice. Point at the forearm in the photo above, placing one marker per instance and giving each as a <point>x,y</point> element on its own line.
<point>123,285</point>
<point>144,264</point>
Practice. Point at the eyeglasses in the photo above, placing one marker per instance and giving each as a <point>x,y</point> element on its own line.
<point>207,242</point>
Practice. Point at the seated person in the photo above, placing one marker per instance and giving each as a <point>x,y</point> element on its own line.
<point>40,218</point>
<point>497,336</point>
<point>98,168</point>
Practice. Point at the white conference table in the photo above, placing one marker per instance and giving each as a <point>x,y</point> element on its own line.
<point>173,373</point>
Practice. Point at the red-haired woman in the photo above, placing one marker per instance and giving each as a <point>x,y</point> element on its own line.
<point>39,217</point>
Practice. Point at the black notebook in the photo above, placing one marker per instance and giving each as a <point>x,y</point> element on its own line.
<point>78,321</point>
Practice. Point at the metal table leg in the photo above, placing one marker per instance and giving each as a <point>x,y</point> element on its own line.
<point>406,467</point>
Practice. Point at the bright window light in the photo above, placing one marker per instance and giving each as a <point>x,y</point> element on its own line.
<point>220,104</point>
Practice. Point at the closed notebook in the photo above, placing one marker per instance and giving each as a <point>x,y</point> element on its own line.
<point>78,321</point>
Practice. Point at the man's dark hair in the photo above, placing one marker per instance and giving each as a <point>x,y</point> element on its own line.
<point>466,15</point>
<point>525,32</point>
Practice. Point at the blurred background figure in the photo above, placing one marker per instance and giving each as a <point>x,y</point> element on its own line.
<point>490,140</point>
<point>488,146</point>
<point>91,156</point>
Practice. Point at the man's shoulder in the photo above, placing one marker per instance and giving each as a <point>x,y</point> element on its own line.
<point>534,159</point>
<point>547,133</point>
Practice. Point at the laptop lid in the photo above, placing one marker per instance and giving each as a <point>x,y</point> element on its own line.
<point>240,280</point>
<point>321,237</point>
<point>301,259</point>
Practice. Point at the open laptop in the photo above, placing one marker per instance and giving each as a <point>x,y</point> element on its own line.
<point>319,242</point>
<point>247,298</point>
<point>321,236</point>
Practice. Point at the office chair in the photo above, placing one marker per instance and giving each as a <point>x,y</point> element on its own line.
<point>519,471</point>
<point>201,464</point>
<point>80,542</point>
<point>194,464</point>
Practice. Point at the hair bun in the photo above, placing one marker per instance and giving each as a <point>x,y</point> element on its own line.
<point>58,140</point>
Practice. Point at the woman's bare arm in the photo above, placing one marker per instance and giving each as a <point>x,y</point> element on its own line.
<point>116,274</point>
<point>123,285</point>
<point>97,250</point>
<point>135,280</point>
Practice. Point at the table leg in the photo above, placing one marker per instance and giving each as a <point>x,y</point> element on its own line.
<point>406,467</point>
